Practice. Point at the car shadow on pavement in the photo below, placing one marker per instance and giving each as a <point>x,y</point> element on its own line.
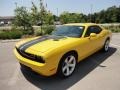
<point>83,68</point>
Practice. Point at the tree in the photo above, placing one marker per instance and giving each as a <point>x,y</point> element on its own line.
<point>111,15</point>
<point>64,17</point>
<point>46,16</point>
<point>22,18</point>
<point>56,18</point>
<point>49,18</point>
<point>35,15</point>
<point>67,17</point>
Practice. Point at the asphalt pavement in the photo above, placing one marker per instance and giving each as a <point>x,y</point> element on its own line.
<point>101,71</point>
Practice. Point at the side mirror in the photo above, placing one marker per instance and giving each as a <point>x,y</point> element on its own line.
<point>93,35</point>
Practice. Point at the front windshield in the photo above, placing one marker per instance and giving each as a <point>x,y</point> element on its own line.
<point>70,31</point>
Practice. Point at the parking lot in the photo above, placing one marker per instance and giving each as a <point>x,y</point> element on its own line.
<point>100,71</point>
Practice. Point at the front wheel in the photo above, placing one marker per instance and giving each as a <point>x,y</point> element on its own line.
<point>67,65</point>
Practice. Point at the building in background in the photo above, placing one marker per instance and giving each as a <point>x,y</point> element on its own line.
<point>6,20</point>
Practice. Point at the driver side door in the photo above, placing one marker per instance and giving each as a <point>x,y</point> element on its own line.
<point>90,44</point>
<point>94,42</point>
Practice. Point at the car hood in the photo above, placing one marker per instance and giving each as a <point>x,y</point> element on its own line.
<point>45,43</point>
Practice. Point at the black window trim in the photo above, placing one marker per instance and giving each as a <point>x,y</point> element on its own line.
<point>92,26</point>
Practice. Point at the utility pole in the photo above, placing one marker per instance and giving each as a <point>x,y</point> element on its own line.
<point>41,13</point>
<point>57,11</point>
<point>16,4</point>
<point>91,8</point>
<point>57,14</point>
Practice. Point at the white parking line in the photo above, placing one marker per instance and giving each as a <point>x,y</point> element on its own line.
<point>115,45</point>
<point>14,78</point>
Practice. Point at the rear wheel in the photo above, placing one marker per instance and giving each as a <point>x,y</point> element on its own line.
<point>67,65</point>
<point>106,45</point>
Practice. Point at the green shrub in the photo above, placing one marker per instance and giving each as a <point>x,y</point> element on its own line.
<point>38,32</point>
<point>13,34</point>
<point>28,31</point>
<point>114,29</point>
<point>48,29</point>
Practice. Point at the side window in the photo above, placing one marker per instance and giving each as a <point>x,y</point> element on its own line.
<point>93,29</point>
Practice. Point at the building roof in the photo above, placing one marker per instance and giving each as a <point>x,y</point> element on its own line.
<point>6,17</point>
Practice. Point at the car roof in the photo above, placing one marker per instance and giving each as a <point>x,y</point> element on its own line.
<point>80,24</point>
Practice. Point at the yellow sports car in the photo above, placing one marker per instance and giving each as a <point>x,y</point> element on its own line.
<point>60,52</point>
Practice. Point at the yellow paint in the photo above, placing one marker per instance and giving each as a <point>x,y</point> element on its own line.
<point>52,51</point>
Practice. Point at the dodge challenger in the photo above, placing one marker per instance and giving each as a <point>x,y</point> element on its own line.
<point>60,52</point>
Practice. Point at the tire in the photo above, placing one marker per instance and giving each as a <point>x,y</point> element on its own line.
<point>106,46</point>
<point>67,65</point>
<point>21,65</point>
<point>24,67</point>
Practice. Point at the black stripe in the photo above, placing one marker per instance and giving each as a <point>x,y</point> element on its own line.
<point>24,46</point>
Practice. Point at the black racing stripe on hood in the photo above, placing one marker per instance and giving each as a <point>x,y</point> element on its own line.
<point>26,45</point>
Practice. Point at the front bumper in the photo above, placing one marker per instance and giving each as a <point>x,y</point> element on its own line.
<point>41,68</point>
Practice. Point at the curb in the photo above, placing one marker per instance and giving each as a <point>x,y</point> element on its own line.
<point>11,40</point>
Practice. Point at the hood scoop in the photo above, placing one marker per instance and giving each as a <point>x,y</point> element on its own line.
<point>57,38</point>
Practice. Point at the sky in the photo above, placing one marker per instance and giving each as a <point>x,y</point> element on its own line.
<point>80,6</point>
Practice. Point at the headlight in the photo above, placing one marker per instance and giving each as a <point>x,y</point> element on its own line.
<point>31,56</point>
<point>39,59</point>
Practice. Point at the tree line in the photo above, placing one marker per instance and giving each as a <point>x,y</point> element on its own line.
<point>111,15</point>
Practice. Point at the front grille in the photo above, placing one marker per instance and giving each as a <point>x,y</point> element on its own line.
<point>30,56</point>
